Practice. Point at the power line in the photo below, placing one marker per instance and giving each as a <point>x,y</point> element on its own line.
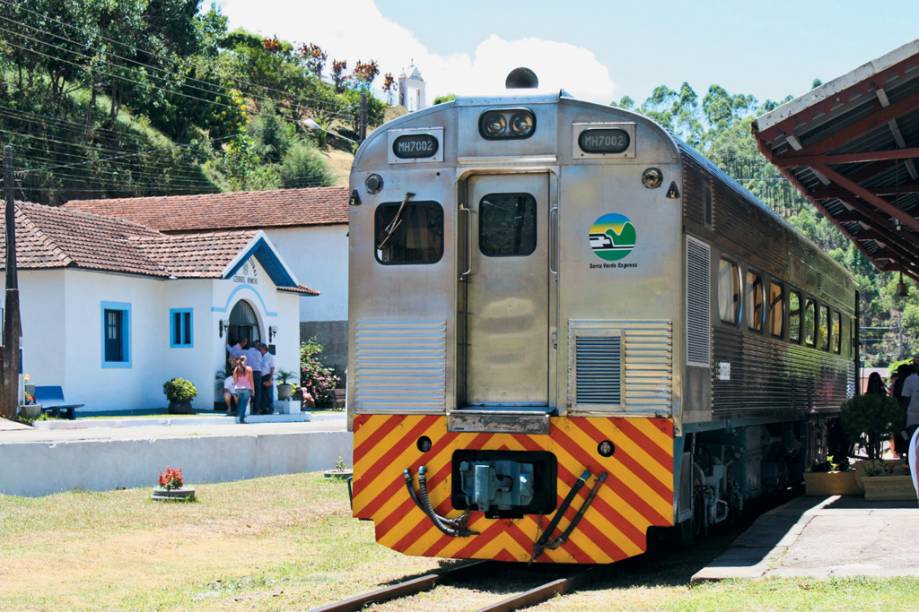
<point>186,78</point>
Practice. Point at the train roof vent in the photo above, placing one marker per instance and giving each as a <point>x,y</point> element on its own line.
<point>521,78</point>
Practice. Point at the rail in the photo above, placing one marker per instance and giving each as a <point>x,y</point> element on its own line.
<point>412,586</point>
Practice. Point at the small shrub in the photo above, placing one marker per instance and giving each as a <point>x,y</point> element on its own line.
<point>179,390</point>
<point>284,377</point>
<point>304,166</point>
<point>171,479</point>
<point>872,419</point>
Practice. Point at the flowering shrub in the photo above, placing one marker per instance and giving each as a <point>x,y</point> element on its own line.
<point>171,479</point>
<point>316,380</point>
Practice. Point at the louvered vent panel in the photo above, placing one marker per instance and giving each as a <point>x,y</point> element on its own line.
<point>620,366</point>
<point>698,303</point>
<point>598,369</point>
<point>400,365</point>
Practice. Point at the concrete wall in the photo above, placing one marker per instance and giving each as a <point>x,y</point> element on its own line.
<point>43,468</point>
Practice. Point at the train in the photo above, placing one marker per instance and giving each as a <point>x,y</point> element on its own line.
<point>568,328</point>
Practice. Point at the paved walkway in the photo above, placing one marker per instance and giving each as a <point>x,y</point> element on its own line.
<point>823,538</point>
<point>29,435</point>
<point>7,425</point>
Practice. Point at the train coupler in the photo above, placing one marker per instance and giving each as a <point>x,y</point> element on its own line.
<point>543,542</point>
<point>454,527</point>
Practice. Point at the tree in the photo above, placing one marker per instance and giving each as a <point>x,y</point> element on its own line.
<point>445,98</point>
<point>304,166</point>
<point>314,57</point>
<point>339,77</point>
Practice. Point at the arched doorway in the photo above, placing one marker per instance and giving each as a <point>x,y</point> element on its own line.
<point>244,324</point>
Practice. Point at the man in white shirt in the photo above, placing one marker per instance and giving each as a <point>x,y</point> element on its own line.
<point>254,361</point>
<point>267,382</point>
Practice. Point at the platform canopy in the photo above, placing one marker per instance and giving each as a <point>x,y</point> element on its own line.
<point>851,147</point>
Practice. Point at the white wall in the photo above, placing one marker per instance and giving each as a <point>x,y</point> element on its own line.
<point>62,332</point>
<point>318,257</point>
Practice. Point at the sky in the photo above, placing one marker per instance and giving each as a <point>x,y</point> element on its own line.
<point>595,49</point>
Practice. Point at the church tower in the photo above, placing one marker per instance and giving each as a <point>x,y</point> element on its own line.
<point>412,89</point>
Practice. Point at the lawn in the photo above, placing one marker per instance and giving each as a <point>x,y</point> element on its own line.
<point>288,542</point>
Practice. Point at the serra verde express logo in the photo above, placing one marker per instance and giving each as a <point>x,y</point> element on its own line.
<point>612,237</point>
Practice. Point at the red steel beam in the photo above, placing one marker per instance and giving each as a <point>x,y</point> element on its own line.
<point>869,122</point>
<point>881,204</point>
<point>808,159</point>
<point>865,87</point>
<point>826,193</point>
<point>767,152</point>
<point>900,239</point>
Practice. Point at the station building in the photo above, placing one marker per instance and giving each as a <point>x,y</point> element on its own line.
<point>112,309</point>
<point>308,227</point>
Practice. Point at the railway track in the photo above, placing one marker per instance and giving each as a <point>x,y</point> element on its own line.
<point>558,585</point>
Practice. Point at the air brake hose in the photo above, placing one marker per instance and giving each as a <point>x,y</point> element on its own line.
<point>452,527</point>
<point>580,514</point>
<point>454,523</point>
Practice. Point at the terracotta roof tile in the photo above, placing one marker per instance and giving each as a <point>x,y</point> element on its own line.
<point>57,237</point>
<point>226,211</point>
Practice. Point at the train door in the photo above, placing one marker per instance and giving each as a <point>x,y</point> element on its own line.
<point>507,304</point>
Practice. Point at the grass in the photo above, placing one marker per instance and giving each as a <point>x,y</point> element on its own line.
<point>289,542</point>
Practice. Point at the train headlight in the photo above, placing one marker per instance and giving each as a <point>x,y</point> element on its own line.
<point>652,178</point>
<point>522,124</point>
<point>507,124</point>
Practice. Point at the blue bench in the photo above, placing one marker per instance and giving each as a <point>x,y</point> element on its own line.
<point>51,399</point>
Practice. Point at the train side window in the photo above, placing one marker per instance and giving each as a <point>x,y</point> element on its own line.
<point>729,292</point>
<point>836,332</point>
<point>794,317</point>
<point>756,308</point>
<point>507,224</point>
<point>409,233</point>
<point>810,322</point>
<point>776,309</point>
<point>823,329</point>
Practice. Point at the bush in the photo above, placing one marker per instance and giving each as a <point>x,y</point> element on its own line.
<point>315,378</point>
<point>304,166</point>
<point>871,419</point>
<point>179,390</point>
<point>171,479</point>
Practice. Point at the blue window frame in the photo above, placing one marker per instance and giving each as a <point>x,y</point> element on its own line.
<point>116,334</point>
<point>181,328</point>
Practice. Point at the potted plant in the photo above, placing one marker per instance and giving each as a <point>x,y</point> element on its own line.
<point>284,385</point>
<point>829,478</point>
<point>171,486</point>
<point>870,420</point>
<point>180,393</point>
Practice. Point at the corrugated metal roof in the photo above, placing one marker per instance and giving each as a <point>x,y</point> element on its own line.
<point>870,115</point>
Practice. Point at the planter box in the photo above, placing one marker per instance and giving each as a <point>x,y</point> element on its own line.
<point>288,406</point>
<point>889,488</point>
<point>831,483</point>
<point>183,494</point>
<point>339,474</point>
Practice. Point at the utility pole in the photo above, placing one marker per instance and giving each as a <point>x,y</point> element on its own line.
<point>9,367</point>
<point>362,118</point>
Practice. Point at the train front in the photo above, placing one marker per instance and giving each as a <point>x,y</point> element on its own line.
<point>514,380</point>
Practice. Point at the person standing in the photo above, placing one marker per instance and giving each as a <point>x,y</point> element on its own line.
<point>267,382</point>
<point>235,351</point>
<point>243,384</point>
<point>254,361</point>
<point>910,393</point>
<point>876,385</point>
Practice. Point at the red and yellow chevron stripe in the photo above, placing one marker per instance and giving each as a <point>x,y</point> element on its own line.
<point>637,494</point>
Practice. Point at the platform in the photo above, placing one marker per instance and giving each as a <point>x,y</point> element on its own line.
<point>824,538</point>
<point>35,461</point>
